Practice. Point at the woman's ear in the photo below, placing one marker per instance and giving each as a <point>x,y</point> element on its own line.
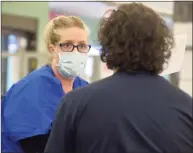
<point>51,49</point>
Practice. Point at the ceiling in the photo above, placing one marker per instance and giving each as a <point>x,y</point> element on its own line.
<point>88,9</point>
<point>91,8</point>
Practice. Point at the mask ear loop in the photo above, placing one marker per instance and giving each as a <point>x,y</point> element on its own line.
<point>59,57</point>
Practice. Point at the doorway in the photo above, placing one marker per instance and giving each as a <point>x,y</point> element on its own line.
<point>14,45</point>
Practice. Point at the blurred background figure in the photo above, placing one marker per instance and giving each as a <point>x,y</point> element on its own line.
<point>23,49</point>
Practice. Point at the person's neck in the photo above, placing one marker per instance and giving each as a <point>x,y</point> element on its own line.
<point>67,84</point>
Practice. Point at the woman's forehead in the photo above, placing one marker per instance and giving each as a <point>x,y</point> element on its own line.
<point>74,34</point>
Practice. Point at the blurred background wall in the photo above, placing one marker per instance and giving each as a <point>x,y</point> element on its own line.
<point>183,24</point>
<point>23,48</point>
<point>22,27</point>
<point>37,11</point>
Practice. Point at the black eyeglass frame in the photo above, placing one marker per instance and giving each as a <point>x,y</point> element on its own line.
<point>74,46</point>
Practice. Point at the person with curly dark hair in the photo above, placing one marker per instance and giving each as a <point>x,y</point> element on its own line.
<point>135,110</point>
<point>135,39</point>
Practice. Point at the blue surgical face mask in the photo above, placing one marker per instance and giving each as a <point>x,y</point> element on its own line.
<point>71,64</point>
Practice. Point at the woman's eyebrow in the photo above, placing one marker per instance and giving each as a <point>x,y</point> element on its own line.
<point>82,42</point>
<point>71,41</point>
<point>67,41</point>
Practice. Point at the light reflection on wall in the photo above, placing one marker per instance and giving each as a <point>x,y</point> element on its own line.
<point>12,62</point>
<point>94,51</point>
<point>89,67</point>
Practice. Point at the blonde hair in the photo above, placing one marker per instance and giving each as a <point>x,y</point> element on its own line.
<point>51,35</point>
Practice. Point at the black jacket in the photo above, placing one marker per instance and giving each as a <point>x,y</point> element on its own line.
<point>124,113</point>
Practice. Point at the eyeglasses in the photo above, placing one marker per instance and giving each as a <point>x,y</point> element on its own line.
<point>68,47</point>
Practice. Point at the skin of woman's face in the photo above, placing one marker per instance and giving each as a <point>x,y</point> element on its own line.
<point>73,36</point>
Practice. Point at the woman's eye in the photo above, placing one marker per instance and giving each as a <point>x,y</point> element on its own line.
<point>67,45</point>
<point>83,46</point>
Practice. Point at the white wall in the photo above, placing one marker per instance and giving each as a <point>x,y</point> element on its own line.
<point>184,28</point>
<point>186,72</point>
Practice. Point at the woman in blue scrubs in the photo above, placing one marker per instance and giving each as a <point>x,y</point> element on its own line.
<point>28,108</point>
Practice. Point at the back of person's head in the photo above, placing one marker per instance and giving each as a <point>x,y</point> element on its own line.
<point>135,38</point>
<point>52,33</point>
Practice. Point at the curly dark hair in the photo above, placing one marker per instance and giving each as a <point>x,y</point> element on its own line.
<point>135,38</point>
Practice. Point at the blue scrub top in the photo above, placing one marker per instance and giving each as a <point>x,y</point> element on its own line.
<point>29,107</point>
